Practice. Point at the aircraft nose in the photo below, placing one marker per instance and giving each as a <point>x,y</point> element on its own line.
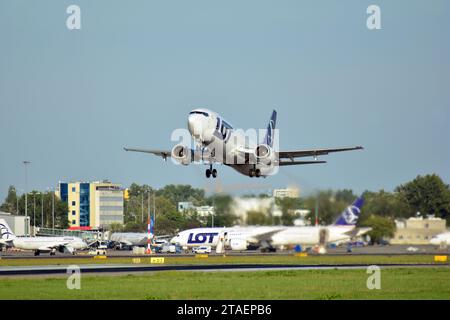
<point>195,125</point>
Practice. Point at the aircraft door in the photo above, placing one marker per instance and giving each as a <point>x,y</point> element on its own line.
<point>323,237</point>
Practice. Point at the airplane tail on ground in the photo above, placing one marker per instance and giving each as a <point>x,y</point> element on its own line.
<point>5,231</point>
<point>350,215</point>
<point>268,139</point>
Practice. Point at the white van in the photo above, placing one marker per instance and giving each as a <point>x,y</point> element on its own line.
<point>202,249</point>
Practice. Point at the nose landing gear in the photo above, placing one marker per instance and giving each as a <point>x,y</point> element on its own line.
<point>211,172</point>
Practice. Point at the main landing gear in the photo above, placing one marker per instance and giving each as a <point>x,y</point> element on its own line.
<point>211,172</point>
<point>254,173</point>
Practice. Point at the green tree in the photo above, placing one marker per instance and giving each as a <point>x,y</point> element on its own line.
<point>382,227</point>
<point>222,206</point>
<point>181,193</point>
<point>258,218</point>
<point>329,205</point>
<point>44,203</point>
<point>116,227</point>
<point>427,195</point>
<point>288,206</point>
<point>10,203</point>
<point>385,204</point>
<point>132,226</point>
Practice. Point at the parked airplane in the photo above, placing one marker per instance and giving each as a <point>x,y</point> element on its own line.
<point>217,142</point>
<point>40,244</point>
<point>133,239</point>
<point>272,237</point>
<point>129,239</point>
<point>441,239</point>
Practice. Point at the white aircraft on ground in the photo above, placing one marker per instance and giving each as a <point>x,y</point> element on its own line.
<point>40,244</point>
<point>217,142</point>
<point>129,239</point>
<point>442,239</point>
<point>272,237</point>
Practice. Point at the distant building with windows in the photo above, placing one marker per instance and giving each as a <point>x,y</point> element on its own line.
<point>290,192</point>
<point>185,206</point>
<point>202,211</point>
<point>417,230</point>
<point>205,211</point>
<point>92,205</point>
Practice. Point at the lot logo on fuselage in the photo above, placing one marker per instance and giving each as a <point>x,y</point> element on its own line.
<point>202,237</point>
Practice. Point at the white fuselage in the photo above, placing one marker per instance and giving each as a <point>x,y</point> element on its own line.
<point>281,235</point>
<point>46,243</point>
<point>130,238</point>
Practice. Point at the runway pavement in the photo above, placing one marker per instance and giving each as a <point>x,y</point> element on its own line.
<point>367,250</point>
<point>126,268</point>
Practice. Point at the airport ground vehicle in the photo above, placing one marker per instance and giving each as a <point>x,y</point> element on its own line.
<point>98,252</point>
<point>202,249</point>
<point>169,248</point>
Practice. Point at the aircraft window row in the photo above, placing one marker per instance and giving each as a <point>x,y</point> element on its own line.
<point>200,112</point>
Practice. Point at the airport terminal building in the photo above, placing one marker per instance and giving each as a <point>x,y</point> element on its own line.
<point>92,205</point>
<point>417,230</point>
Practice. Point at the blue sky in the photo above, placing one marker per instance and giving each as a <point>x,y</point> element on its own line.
<point>70,100</point>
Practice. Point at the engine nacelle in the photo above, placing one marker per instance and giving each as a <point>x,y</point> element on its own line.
<point>264,154</point>
<point>263,151</point>
<point>182,154</point>
<point>238,244</point>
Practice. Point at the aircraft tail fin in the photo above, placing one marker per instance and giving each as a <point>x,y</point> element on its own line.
<point>6,233</point>
<point>350,215</point>
<point>269,137</point>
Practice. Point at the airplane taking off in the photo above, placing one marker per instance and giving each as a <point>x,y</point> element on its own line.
<point>40,244</point>
<point>272,237</point>
<point>218,142</point>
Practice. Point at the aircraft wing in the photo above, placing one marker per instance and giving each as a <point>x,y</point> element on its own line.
<point>6,241</point>
<point>357,232</point>
<point>264,237</point>
<point>54,245</point>
<point>291,163</point>
<point>156,152</point>
<point>125,242</point>
<point>311,153</point>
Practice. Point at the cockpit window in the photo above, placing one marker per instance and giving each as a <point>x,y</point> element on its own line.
<point>199,112</point>
<point>218,123</point>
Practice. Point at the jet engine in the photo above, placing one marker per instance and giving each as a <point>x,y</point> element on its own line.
<point>264,154</point>
<point>182,154</point>
<point>238,244</point>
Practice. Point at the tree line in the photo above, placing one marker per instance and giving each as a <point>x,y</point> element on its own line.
<point>425,195</point>
<point>41,205</point>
